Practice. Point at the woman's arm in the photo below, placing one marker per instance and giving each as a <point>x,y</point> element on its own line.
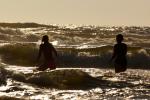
<point>54,50</point>
<point>114,54</point>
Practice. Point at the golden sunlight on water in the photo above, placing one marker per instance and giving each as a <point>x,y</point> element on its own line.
<point>131,84</point>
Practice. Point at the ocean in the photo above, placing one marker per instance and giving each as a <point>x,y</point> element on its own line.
<point>83,69</point>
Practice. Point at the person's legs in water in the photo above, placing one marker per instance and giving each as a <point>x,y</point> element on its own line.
<point>51,65</point>
<point>120,68</point>
<point>43,67</point>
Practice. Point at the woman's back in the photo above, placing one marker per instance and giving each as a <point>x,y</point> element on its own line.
<point>47,50</point>
<point>120,49</point>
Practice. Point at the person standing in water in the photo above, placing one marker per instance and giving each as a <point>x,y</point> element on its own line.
<point>47,51</point>
<point>119,55</point>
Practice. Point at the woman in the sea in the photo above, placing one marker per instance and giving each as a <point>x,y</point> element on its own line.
<point>48,51</point>
<point>119,55</point>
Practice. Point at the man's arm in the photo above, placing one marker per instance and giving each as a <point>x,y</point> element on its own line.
<point>126,49</point>
<point>39,54</point>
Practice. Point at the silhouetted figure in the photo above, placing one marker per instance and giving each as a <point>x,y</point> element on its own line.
<point>119,55</point>
<point>48,52</point>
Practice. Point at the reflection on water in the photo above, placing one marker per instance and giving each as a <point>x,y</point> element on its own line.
<point>133,84</point>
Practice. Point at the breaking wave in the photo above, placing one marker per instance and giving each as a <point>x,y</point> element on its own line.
<point>25,54</point>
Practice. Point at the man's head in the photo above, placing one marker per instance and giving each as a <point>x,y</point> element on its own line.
<point>119,38</point>
<point>45,38</point>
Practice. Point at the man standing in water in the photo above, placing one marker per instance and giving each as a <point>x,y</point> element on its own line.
<point>47,50</point>
<point>119,55</point>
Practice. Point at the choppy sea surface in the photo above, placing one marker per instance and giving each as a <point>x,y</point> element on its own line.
<point>132,84</point>
<point>88,48</point>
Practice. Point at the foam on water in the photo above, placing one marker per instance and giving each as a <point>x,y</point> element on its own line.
<point>132,84</point>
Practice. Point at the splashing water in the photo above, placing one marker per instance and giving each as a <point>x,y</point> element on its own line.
<point>129,85</point>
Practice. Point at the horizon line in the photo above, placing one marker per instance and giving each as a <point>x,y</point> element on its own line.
<point>56,24</point>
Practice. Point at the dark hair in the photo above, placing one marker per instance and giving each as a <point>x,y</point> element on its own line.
<point>119,38</point>
<point>45,38</point>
